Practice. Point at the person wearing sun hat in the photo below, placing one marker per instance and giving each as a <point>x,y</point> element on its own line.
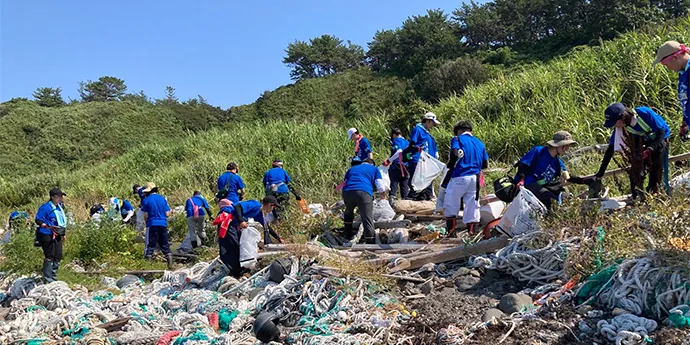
<point>650,127</point>
<point>543,172</point>
<point>363,149</point>
<point>156,211</point>
<point>676,57</point>
<point>421,140</point>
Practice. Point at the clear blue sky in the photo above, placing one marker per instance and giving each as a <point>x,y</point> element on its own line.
<point>227,51</point>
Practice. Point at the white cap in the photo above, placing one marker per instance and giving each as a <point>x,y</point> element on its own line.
<point>350,132</point>
<point>114,202</point>
<point>431,116</point>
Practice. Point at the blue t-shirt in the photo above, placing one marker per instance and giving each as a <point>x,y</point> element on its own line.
<point>51,214</point>
<point>652,119</point>
<point>234,182</point>
<point>279,177</point>
<point>421,137</point>
<point>155,206</point>
<point>250,209</point>
<point>398,143</point>
<point>200,202</point>
<point>543,167</point>
<point>364,149</point>
<point>684,92</point>
<point>471,155</point>
<point>125,208</point>
<point>362,177</point>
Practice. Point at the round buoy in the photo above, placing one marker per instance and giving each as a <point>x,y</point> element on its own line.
<point>265,328</point>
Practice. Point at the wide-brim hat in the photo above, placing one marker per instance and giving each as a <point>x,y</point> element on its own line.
<point>561,138</point>
<point>149,187</point>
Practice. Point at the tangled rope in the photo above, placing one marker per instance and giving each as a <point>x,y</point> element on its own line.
<point>533,257</point>
<point>626,329</point>
<point>644,286</point>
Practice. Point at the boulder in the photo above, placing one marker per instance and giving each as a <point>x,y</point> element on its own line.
<point>513,303</point>
<point>491,314</point>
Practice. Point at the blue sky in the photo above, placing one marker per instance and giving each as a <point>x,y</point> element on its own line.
<point>227,51</point>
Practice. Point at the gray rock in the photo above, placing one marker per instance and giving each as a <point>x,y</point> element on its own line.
<point>427,287</point>
<point>465,283</point>
<point>475,273</point>
<point>491,314</point>
<point>584,309</point>
<point>512,303</point>
<point>127,280</point>
<point>462,271</point>
<point>526,299</point>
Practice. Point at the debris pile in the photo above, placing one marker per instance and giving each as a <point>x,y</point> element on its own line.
<point>202,305</point>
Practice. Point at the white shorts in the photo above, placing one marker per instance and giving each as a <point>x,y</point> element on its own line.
<point>463,188</point>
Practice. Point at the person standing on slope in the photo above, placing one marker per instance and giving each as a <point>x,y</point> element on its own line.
<point>468,157</point>
<point>421,140</point>
<point>230,185</point>
<point>397,170</point>
<point>676,57</point>
<point>196,208</point>
<point>358,191</point>
<point>652,131</point>
<point>156,211</point>
<point>277,183</point>
<point>363,149</point>
<point>50,234</point>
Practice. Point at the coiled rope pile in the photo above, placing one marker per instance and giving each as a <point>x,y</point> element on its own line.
<point>201,305</point>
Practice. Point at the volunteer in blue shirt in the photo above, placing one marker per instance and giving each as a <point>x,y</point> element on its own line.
<point>543,172</point>
<point>197,208</point>
<point>398,171</point>
<point>15,221</point>
<point>363,149</point>
<point>156,211</point>
<point>676,57</point>
<point>358,191</point>
<point>230,185</point>
<point>229,241</point>
<point>139,214</point>
<point>277,183</point>
<point>468,157</point>
<point>421,140</point>
<point>648,129</point>
<point>121,208</point>
<point>50,234</point>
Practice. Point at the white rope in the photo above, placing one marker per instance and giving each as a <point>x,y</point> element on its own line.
<point>626,329</point>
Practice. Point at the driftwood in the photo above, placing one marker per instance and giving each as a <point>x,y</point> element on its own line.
<point>409,279</point>
<point>386,224</point>
<point>377,247</point>
<point>114,325</point>
<point>451,254</point>
<point>681,157</point>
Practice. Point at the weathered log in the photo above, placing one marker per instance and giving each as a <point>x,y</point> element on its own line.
<point>451,254</point>
<point>114,325</point>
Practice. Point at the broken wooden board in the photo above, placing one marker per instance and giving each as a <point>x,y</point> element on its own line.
<point>377,247</point>
<point>450,254</point>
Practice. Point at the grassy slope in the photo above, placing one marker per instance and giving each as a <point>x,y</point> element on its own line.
<point>511,114</point>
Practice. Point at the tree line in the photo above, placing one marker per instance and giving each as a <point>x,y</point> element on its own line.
<point>440,54</point>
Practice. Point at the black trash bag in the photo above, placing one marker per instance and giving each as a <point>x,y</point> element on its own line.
<point>278,269</point>
<point>265,327</point>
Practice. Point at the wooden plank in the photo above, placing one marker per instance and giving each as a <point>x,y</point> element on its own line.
<point>115,325</point>
<point>409,279</point>
<point>451,254</point>
<point>388,224</point>
<point>377,247</point>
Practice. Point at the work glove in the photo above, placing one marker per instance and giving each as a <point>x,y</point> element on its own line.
<point>646,154</point>
<point>44,225</point>
<point>520,183</point>
<point>386,163</point>
<point>589,180</point>
<point>684,132</point>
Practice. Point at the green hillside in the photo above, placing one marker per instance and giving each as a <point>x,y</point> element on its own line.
<point>96,149</point>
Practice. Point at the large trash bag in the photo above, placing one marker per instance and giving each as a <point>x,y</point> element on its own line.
<point>428,168</point>
<point>249,249</point>
<point>521,215</point>
<point>383,211</point>
<point>386,178</point>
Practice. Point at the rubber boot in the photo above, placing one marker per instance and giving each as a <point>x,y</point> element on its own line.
<point>486,232</point>
<point>195,244</point>
<point>47,270</point>
<point>169,258</point>
<point>348,231</point>
<point>451,223</point>
<point>370,240</point>
<point>54,269</point>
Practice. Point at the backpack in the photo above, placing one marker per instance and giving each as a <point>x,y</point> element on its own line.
<point>195,208</point>
<point>225,191</point>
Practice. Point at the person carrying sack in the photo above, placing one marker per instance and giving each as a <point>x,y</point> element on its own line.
<point>196,208</point>
<point>50,233</point>
<point>421,140</point>
<point>468,157</point>
<point>543,172</point>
